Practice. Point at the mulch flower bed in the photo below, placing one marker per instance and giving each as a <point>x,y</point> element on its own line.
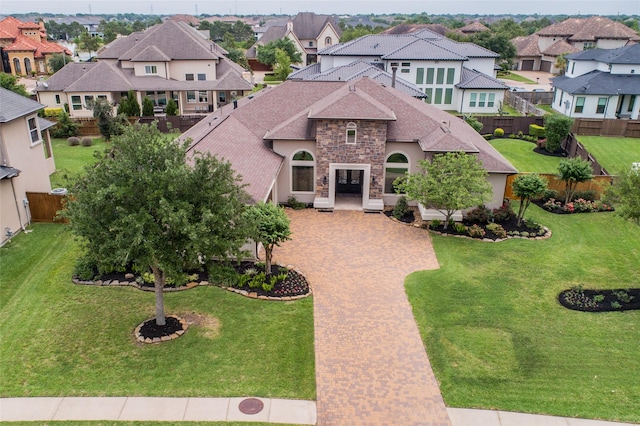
<point>295,285</point>
<point>576,206</point>
<point>600,300</point>
<point>150,332</point>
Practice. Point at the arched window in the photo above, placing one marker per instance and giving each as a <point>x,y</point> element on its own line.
<point>351,133</point>
<point>16,66</point>
<point>302,172</point>
<point>396,166</point>
<point>27,66</point>
<point>327,41</point>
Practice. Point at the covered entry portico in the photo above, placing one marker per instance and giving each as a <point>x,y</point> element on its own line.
<point>352,181</point>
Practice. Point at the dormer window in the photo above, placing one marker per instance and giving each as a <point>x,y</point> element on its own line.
<point>150,69</point>
<point>351,133</point>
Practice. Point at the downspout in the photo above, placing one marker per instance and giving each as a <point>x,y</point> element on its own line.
<point>462,103</point>
<point>15,198</point>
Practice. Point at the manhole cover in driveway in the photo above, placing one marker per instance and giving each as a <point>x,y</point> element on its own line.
<point>251,406</point>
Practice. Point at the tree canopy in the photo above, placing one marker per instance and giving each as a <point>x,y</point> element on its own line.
<point>556,129</point>
<point>58,61</point>
<point>625,193</point>
<point>451,181</point>
<point>10,82</point>
<point>267,53</point>
<point>270,228</point>
<point>145,205</point>
<point>526,187</point>
<point>573,171</point>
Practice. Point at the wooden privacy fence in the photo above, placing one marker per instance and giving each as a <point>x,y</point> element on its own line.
<point>606,127</point>
<point>574,148</point>
<point>508,124</point>
<point>525,102</point>
<point>597,184</point>
<point>44,206</point>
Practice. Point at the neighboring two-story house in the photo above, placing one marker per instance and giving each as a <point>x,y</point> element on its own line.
<point>600,83</point>
<point>454,76</point>
<point>24,47</point>
<point>539,51</point>
<point>168,60</point>
<point>323,142</point>
<point>26,159</point>
<point>308,32</point>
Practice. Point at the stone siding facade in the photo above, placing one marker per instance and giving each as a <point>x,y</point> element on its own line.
<point>331,147</point>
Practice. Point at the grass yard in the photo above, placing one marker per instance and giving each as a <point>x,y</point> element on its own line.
<point>498,338</point>
<point>520,154</point>
<point>613,153</point>
<point>71,159</point>
<point>514,77</point>
<point>59,339</point>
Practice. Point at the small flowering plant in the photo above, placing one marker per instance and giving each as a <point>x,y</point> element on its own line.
<point>576,206</point>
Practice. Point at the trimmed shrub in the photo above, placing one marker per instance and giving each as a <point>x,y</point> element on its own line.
<point>537,131</point>
<point>52,112</point>
<point>588,195</point>
<point>401,208</point>
<point>473,122</point>
<point>498,133</point>
<point>87,141</point>
<point>73,141</point>
<point>497,229</point>
<point>476,232</point>
<point>503,213</point>
<point>480,214</point>
<point>172,107</point>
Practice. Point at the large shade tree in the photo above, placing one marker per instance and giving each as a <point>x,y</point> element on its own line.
<point>451,181</point>
<point>625,193</point>
<point>147,205</point>
<point>267,54</point>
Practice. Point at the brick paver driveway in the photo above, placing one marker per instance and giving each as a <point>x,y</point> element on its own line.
<point>371,365</point>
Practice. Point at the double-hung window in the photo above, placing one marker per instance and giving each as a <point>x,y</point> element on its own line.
<point>579,104</point>
<point>602,105</point>
<point>150,69</point>
<point>34,132</point>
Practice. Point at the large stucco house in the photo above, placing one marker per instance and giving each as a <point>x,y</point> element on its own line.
<point>168,60</point>
<point>26,159</point>
<point>325,141</point>
<point>455,76</point>
<point>24,47</point>
<point>309,33</point>
<point>600,83</point>
<point>540,50</point>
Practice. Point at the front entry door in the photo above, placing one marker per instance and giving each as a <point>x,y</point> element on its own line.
<point>349,181</point>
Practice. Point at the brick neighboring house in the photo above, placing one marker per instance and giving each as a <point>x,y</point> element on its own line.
<point>168,60</point>
<point>26,159</point>
<point>322,141</point>
<point>308,32</point>
<point>600,83</point>
<point>455,76</point>
<point>24,47</point>
<point>539,51</point>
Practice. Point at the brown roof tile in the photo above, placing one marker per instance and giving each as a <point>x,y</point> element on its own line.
<point>560,47</point>
<point>527,45</point>
<point>589,29</point>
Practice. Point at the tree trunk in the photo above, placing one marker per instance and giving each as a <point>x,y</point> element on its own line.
<point>158,282</point>
<point>521,211</point>
<point>268,253</point>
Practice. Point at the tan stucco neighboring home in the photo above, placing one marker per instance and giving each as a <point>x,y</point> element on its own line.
<point>308,32</point>
<point>168,60</point>
<point>538,52</point>
<point>323,141</point>
<point>26,47</point>
<point>26,159</point>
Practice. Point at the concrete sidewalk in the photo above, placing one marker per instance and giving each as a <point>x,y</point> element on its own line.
<point>228,409</point>
<point>158,409</point>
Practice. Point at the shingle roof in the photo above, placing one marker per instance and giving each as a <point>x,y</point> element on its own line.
<point>423,49</point>
<point>623,55</point>
<point>176,40</point>
<point>354,71</point>
<point>150,54</point>
<point>527,45</point>
<point>13,106</point>
<point>308,25</point>
<point>275,32</point>
<point>560,47</point>
<point>589,29</point>
<point>472,79</point>
<point>474,27</point>
<point>7,172</point>
<point>599,83</point>
<point>242,135</point>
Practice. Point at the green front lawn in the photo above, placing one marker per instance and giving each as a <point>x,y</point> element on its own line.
<point>520,154</point>
<point>614,154</point>
<point>514,77</point>
<point>71,159</point>
<point>497,337</point>
<point>60,339</point>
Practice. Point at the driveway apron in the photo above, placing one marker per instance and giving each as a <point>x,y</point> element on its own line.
<point>371,364</point>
